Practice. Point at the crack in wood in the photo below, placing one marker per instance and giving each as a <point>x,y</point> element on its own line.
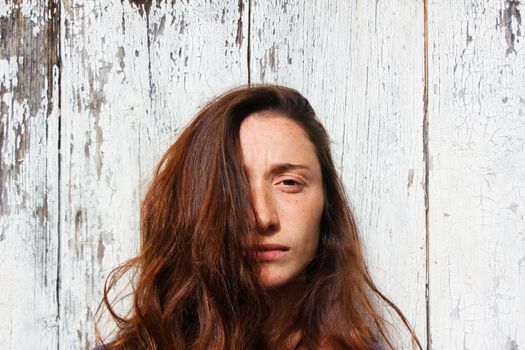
<point>249,49</point>
<point>426,157</point>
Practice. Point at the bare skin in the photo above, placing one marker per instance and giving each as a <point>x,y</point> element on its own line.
<point>287,192</point>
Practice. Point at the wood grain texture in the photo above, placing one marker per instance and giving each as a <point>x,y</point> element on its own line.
<point>477,173</point>
<point>361,66</point>
<point>198,50</point>
<point>28,175</point>
<point>93,92</point>
<point>131,78</point>
<point>105,94</point>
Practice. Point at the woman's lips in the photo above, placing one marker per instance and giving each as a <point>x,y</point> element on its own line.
<point>269,252</point>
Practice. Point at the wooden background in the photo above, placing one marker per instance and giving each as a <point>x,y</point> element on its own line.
<point>424,100</point>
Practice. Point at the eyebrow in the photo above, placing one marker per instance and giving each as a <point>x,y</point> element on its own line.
<point>282,167</point>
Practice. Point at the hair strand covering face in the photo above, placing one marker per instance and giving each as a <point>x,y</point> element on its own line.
<point>196,287</point>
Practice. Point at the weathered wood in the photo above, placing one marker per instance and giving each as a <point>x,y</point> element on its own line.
<point>131,77</point>
<point>477,173</point>
<point>361,66</point>
<point>79,141</point>
<point>105,95</point>
<point>198,50</point>
<point>28,174</point>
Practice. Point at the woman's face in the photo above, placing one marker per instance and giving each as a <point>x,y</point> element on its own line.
<point>287,193</point>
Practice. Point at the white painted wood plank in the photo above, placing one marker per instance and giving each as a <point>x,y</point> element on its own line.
<point>28,176</point>
<point>105,94</point>
<point>198,50</point>
<point>361,66</point>
<point>131,79</point>
<point>477,173</point>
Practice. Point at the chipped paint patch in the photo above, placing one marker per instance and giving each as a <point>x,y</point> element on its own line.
<point>6,8</point>
<point>9,68</point>
<point>410,178</point>
<point>511,23</point>
<point>9,72</point>
<point>34,14</point>
<point>100,251</point>
<point>239,36</point>
<point>142,5</point>
<point>511,344</point>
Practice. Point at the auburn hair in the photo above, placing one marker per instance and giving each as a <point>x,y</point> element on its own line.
<point>195,287</point>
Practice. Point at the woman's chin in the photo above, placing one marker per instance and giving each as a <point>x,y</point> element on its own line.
<point>271,280</point>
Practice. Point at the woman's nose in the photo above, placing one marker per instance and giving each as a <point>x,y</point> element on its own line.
<point>266,213</point>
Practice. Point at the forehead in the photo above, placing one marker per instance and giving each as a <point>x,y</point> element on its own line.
<point>270,137</point>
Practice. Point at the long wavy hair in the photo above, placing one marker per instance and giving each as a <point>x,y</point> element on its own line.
<point>195,286</point>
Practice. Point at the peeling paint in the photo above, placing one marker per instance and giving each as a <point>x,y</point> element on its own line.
<point>469,37</point>
<point>78,220</point>
<point>238,38</point>
<point>410,178</point>
<point>42,211</point>
<point>87,145</point>
<point>476,140</point>
<point>98,155</point>
<point>21,141</point>
<point>6,8</point>
<point>120,56</point>
<point>25,78</point>
<point>100,251</point>
<point>271,58</point>
<point>312,60</point>
<point>96,87</point>
<point>223,16</point>
<point>511,22</point>
<point>39,31</point>
<point>28,167</point>
<point>511,344</point>
<point>34,14</point>
<point>8,81</point>
<point>182,25</point>
<point>158,29</point>
<point>142,5</point>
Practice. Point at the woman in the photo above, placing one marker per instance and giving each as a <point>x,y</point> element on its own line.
<point>248,241</point>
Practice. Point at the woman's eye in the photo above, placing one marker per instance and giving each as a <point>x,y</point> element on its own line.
<point>290,185</point>
<point>290,182</point>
